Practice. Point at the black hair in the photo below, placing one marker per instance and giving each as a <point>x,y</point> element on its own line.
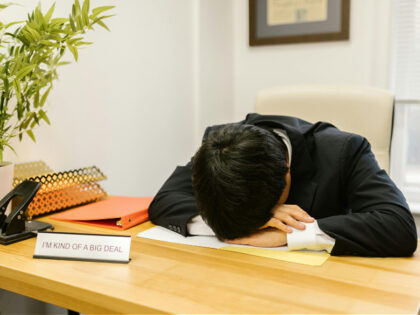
<point>238,175</point>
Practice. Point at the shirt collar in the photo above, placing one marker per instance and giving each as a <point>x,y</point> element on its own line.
<point>286,140</point>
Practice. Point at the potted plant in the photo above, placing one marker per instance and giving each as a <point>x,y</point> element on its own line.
<point>30,54</point>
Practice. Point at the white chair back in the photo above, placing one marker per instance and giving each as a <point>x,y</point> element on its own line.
<point>363,110</point>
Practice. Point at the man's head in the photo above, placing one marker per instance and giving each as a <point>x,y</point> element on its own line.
<point>239,174</point>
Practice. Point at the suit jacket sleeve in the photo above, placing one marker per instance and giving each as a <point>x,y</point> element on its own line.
<point>379,223</point>
<point>174,205</point>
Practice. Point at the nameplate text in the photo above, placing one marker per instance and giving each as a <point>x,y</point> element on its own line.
<point>92,247</point>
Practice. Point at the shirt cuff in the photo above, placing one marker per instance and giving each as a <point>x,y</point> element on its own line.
<point>197,226</point>
<point>312,238</point>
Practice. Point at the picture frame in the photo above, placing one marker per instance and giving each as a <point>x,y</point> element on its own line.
<point>273,22</point>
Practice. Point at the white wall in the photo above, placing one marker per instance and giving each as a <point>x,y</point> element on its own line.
<point>127,105</point>
<point>362,60</point>
<point>214,64</point>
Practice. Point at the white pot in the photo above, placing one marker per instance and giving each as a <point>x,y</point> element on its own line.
<point>6,179</point>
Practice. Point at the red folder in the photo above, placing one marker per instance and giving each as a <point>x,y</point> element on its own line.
<point>118,213</point>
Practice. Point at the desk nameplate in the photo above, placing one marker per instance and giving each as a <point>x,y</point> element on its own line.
<point>86,247</point>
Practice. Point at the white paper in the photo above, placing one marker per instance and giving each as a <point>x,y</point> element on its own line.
<point>161,234</point>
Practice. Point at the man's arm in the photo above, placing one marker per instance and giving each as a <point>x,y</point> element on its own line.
<point>302,230</point>
<point>268,237</point>
<point>174,205</point>
<point>380,223</point>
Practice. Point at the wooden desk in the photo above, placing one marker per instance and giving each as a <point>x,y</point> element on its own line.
<point>171,278</point>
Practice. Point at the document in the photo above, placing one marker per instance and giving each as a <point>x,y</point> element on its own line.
<point>280,12</point>
<point>161,234</point>
<point>313,258</point>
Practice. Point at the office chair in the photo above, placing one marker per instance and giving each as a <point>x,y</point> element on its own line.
<point>363,110</point>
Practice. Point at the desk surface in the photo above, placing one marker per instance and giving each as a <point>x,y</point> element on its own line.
<point>173,278</point>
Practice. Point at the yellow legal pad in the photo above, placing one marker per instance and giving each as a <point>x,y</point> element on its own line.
<point>300,257</point>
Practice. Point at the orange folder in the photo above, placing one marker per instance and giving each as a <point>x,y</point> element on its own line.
<point>119,213</point>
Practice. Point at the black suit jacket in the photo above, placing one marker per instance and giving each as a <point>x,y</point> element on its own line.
<point>335,178</point>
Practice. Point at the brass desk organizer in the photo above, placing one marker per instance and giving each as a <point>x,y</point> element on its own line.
<point>59,190</point>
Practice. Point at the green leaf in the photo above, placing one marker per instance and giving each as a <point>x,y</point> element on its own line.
<point>13,23</point>
<point>44,116</point>
<point>14,66</point>
<point>103,17</point>
<point>79,22</point>
<point>25,124</point>
<point>36,99</point>
<point>83,43</point>
<point>46,42</point>
<point>77,7</point>
<point>35,117</point>
<point>39,18</point>
<point>27,35</point>
<point>24,72</point>
<point>72,25</point>
<point>10,147</point>
<point>103,25</point>
<point>34,123</point>
<point>99,10</point>
<point>20,110</point>
<point>18,92</point>
<point>56,37</point>
<point>44,97</point>
<point>31,135</point>
<point>34,33</point>
<point>85,12</point>
<point>73,50</point>
<point>6,84</point>
<point>49,14</point>
<point>58,21</point>
<point>74,40</point>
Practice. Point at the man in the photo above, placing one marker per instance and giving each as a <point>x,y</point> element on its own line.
<point>275,180</point>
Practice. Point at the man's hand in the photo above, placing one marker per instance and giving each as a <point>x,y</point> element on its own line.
<point>269,237</point>
<point>285,216</point>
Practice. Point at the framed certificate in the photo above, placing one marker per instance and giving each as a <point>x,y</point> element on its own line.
<point>298,21</point>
